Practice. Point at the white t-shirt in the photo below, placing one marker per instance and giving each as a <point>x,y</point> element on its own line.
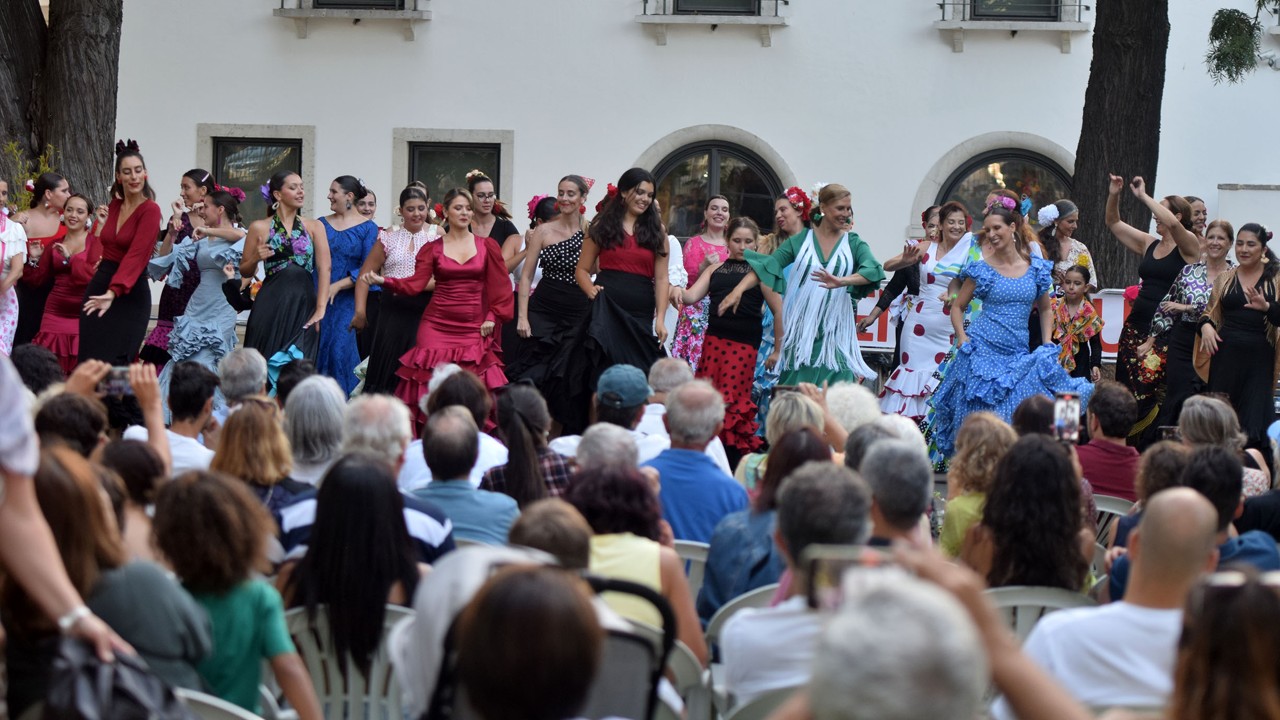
<point>1117,654</point>
<point>648,446</point>
<point>13,242</point>
<point>187,453</point>
<point>651,424</point>
<point>769,648</point>
<point>414,473</point>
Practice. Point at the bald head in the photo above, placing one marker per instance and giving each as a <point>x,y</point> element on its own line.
<point>1176,540</point>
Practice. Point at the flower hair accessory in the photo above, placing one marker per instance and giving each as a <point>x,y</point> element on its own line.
<point>591,182</point>
<point>611,190</point>
<point>1001,201</point>
<point>439,210</point>
<point>799,201</point>
<point>1048,215</point>
<point>265,191</point>
<point>475,173</point>
<point>236,193</point>
<point>533,204</point>
<point>30,185</point>
<point>126,146</point>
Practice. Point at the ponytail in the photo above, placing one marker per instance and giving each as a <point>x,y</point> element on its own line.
<point>523,420</point>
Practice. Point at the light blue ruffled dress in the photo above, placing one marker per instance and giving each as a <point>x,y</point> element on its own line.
<point>206,331</point>
<point>993,371</point>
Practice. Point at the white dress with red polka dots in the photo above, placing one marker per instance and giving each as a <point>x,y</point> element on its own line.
<point>927,334</point>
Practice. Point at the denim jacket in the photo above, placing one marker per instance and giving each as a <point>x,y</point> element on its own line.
<point>742,557</point>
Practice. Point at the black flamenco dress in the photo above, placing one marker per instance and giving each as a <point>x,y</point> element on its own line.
<point>556,311</point>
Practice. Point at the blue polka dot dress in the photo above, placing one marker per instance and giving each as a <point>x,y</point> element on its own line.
<point>993,371</point>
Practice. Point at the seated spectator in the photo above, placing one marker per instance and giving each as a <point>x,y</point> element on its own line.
<point>1123,653</point>
<point>191,390</point>
<point>533,471</point>
<point>1209,421</point>
<point>1031,531</point>
<point>787,412</point>
<point>142,473</point>
<point>313,423</point>
<point>450,446</point>
<point>695,493</point>
<point>770,648</point>
<point>529,644</point>
<point>1109,464</point>
<point>626,517</point>
<point>137,599</point>
<point>1159,468</point>
<point>291,376</point>
<point>1214,472</point>
<point>1033,415</point>
<point>463,388</point>
<point>666,375</point>
<point>900,477</point>
<point>360,558</point>
<point>902,428</point>
<point>377,427</point>
<point>743,555</point>
<point>850,405</point>
<point>860,441</point>
<point>252,448</point>
<point>557,528</point>
<point>605,445</point>
<point>982,440</point>
<point>929,661</point>
<point>212,530</point>
<point>37,366</point>
<point>74,421</point>
<point>241,374</point>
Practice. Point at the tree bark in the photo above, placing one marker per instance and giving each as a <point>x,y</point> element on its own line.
<point>1120,129</point>
<point>22,49</point>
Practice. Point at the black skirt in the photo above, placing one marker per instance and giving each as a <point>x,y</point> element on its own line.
<point>1181,380</point>
<point>115,336</point>
<point>556,311</point>
<point>372,311</point>
<point>30,311</point>
<point>618,331</point>
<point>283,305</point>
<point>394,336</point>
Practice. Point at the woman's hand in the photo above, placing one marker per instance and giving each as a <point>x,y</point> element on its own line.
<point>264,250</point>
<point>334,291</point>
<point>486,328</point>
<point>62,252</point>
<point>146,387</point>
<point>660,329</point>
<point>827,280</point>
<point>229,271</point>
<point>730,303</point>
<point>22,217</point>
<point>99,303</point>
<point>1170,306</point>
<point>961,338</point>
<point>199,233</point>
<point>178,207</point>
<point>595,290</point>
<point>372,278</point>
<point>677,297</point>
<point>358,322</point>
<point>35,250</point>
<point>771,362</point>
<point>1145,348</point>
<point>523,329</point>
<point>865,322</point>
<point>1209,339</point>
<point>1256,300</point>
<point>1115,184</point>
<point>1138,186</point>
<point>1095,374</point>
<point>316,317</point>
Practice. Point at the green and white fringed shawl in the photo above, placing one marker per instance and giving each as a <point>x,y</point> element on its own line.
<point>821,325</point>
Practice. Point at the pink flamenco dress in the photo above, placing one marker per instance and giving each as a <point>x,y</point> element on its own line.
<point>466,295</point>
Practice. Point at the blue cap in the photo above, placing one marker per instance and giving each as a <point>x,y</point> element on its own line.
<point>623,386</point>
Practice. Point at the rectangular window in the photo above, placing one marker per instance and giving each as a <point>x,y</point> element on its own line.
<point>248,163</point>
<point>717,7</point>
<point>444,166</point>
<point>1015,9</point>
<point>358,4</point>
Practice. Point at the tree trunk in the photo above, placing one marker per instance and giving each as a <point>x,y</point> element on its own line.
<point>82,74</point>
<point>22,48</point>
<point>1120,130</point>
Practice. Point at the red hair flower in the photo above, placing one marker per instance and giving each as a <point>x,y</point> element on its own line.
<point>439,210</point>
<point>800,201</point>
<point>533,204</point>
<point>610,191</point>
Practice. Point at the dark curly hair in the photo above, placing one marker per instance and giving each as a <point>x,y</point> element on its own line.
<point>1033,514</point>
<point>791,451</point>
<point>606,227</point>
<point>211,529</point>
<point>616,500</point>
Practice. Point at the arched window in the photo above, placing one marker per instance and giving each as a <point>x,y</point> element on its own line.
<point>1022,171</point>
<point>690,175</point>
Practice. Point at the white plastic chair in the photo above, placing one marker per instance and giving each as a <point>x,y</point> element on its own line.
<point>694,555</point>
<point>714,677</point>
<point>1110,510</point>
<point>683,668</point>
<point>1022,606</point>
<point>208,707</point>
<point>761,706</point>
<point>376,697</point>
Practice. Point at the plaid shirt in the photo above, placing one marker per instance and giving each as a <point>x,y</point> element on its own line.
<point>556,471</point>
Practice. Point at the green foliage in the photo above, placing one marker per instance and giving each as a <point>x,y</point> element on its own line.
<point>1235,42</point>
<point>17,167</point>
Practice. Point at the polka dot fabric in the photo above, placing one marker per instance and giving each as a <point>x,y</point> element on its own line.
<point>730,366</point>
<point>559,260</point>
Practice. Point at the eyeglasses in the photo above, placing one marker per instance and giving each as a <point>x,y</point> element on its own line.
<point>486,196</point>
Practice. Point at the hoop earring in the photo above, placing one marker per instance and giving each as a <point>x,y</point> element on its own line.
<point>348,205</point>
<point>275,205</point>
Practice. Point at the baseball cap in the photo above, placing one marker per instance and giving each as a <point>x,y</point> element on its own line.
<point>623,386</point>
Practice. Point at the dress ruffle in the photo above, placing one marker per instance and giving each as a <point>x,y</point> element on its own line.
<point>65,345</point>
<point>191,335</point>
<point>419,364</point>
<point>740,426</point>
<point>909,393</point>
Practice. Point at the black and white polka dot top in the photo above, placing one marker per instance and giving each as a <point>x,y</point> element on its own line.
<point>558,261</point>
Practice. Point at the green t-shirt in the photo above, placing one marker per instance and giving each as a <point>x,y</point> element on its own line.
<point>963,513</point>
<point>248,627</point>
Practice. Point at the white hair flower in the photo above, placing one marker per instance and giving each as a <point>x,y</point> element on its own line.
<point>817,188</point>
<point>1047,215</point>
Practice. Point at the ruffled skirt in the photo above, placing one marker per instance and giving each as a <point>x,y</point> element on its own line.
<point>479,356</point>
<point>926,338</point>
<point>730,367</point>
<point>556,311</point>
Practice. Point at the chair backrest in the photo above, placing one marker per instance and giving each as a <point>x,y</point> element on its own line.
<point>1022,606</point>
<point>208,707</point>
<point>694,555</point>
<point>759,597</point>
<point>682,665</point>
<point>354,696</point>
<point>1110,509</point>
<point>762,705</point>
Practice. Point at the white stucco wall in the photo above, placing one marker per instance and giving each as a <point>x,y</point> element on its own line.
<point>866,94</point>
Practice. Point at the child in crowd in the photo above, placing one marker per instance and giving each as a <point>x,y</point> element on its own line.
<point>1077,326</point>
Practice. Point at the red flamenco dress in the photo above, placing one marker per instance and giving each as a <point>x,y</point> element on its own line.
<point>466,295</point>
<point>60,324</point>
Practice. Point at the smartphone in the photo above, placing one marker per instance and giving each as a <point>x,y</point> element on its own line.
<point>116,382</point>
<point>780,389</point>
<point>1066,417</point>
<point>825,568</point>
<point>1170,432</point>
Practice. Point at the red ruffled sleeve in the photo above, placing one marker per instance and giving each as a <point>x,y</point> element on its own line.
<point>497,284</point>
<point>424,266</point>
<point>43,271</point>
<point>140,244</point>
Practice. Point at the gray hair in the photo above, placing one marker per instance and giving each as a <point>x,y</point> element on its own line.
<point>695,412</point>
<point>313,419</point>
<point>930,661</point>
<point>822,503</point>
<point>1210,421</point>
<point>605,445</point>
<point>901,480</point>
<point>379,425</point>
<point>450,443</point>
<point>902,428</point>
<point>860,441</point>
<point>243,372</point>
<point>791,411</point>
<point>852,405</point>
<point>669,373</point>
